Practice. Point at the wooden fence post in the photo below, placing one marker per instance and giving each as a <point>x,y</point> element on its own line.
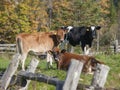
<point>31,68</point>
<point>100,76</point>
<point>5,80</point>
<point>73,75</point>
<point>116,46</point>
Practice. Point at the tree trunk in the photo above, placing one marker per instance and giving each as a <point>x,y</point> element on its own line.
<point>118,33</point>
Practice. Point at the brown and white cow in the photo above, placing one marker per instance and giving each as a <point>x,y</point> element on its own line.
<point>38,42</point>
<point>63,60</point>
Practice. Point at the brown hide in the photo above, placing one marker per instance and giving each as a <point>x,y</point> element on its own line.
<point>38,42</point>
<point>66,57</point>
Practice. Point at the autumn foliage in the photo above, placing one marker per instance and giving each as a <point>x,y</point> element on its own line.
<point>18,16</point>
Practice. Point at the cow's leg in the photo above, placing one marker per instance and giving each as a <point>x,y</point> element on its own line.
<point>83,48</point>
<point>72,49</point>
<point>90,70</point>
<point>49,60</point>
<point>88,51</point>
<point>22,60</point>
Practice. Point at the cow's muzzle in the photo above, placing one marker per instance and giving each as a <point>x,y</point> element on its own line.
<point>56,59</point>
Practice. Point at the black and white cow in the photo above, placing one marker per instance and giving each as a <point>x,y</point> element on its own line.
<point>81,36</point>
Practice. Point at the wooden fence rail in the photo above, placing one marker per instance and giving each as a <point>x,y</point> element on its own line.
<point>9,48</point>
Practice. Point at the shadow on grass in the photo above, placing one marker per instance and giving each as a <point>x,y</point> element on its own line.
<point>2,70</point>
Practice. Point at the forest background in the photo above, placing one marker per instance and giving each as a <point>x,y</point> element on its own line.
<point>18,16</point>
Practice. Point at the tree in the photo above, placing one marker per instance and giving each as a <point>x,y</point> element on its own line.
<point>62,13</point>
<point>25,16</point>
<point>18,16</point>
<point>118,20</point>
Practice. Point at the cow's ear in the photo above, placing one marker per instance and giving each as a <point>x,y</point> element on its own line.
<point>98,27</point>
<point>63,27</point>
<point>56,49</point>
<point>50,52</point>
<point>63,51</point>
<point>94,61</point>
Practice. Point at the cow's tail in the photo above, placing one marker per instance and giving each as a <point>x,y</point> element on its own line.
<point>19,45</point>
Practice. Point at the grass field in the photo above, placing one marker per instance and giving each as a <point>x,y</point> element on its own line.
<point>112,60</point>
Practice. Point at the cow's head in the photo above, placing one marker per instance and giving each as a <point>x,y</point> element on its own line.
<point>91,64</point>
<point>57,55</point>
<point>61,33</point>
<point>56,52</point>
<point>67,29</point>
<point>92,30</point>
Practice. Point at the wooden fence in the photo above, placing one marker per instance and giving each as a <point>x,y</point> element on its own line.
<point>115,49</point>
<point>11,48</point>
<point>70,83</point>
<point>7,48</point>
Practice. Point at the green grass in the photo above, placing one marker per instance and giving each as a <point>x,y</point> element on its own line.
<point>113,80</point>
<point>113,61</point>
<point>4,62</point>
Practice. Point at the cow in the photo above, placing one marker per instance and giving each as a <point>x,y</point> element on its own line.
<point>64,58</point>
<point>38,42</point>
<point>81,36</point>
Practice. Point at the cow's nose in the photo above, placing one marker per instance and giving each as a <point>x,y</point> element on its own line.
<point>57,59</point>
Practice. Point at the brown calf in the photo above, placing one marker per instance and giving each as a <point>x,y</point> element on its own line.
<point>63,59</point>
<point>38,42</point>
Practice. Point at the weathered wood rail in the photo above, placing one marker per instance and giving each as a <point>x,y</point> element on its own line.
<point>70,83</point>
<point>11,48</point>
<point>7,48</point>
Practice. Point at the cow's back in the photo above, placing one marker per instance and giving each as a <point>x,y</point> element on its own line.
<point>37,42</point>
<point>76,35</point>
<point>67,57</point>
<point>70,56</point>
